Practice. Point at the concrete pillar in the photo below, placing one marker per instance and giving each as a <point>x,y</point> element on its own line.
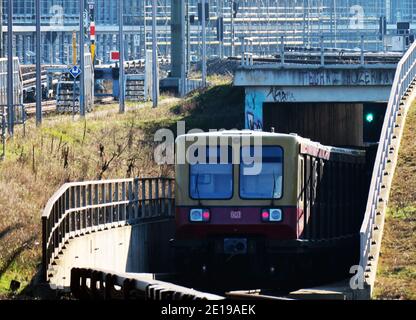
<point>105,48</point>
<point>61,48</point>
<point>130,45</point>
<point>177,37</point>
<point>1,30</point>
<point>19,46</point>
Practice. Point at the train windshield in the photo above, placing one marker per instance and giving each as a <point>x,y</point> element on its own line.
<point>268,183</point>
<point>212,179</point>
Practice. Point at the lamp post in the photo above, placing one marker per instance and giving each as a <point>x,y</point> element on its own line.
<point>1,30</point>
<point>155,92</point>
<point>121,99</point>
<point>204,45</point>
<point>10,70</point>
<point>81,58</point>
<point>38,67</point>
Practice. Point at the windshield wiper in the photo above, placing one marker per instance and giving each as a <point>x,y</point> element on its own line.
<point>197,190</point>
<point>274,189</point>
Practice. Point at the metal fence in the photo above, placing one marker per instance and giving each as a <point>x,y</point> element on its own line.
<point>20,117</point>
<point>17,82</point>
<point>372,228</point>
<point>68,89</point>
<point>80,208</point>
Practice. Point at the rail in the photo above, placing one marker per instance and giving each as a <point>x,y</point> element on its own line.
<point>372,227</point>
<point>47,107</point>
<point>88,284</point>
<point>80,208</point>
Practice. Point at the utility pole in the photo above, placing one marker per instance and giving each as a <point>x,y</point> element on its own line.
<point>38,67</point>
<point>232,29</point>
<point>81,58</point>
<point>178,44</point>
<point>155,89</point>
<point>74,48</point>
<point>10,69</point>
<point>144,34</point>
<point>335,24</point>
<point>220,26</point>
<point>204,45</point>
<point>121,60</point>
<point>1,30</point>
<point>188,40</point>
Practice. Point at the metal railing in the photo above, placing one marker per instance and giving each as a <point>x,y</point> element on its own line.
<point>3,124</point>
<point>80,208</point>
<point>382,175</point>
<point>20,117</point>
<point>321,56</point>
<point>88,284</point>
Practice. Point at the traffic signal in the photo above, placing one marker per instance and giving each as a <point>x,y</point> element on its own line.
<point>374,114</point>
<point>369,117</point>
<point>192,19</point>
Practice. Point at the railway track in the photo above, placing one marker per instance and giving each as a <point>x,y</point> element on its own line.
<point>47,107</point>
<point>98,284</point>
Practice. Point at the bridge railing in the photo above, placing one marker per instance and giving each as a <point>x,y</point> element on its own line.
<point>324,55</point>
<point>80,208</point>
<point>382,176</point>
<point>88,284</point>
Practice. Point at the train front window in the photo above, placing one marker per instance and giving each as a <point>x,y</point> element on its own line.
<point>268,183</point>
<point>212,179</point>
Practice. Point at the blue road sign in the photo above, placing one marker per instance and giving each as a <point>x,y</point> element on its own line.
<point>75,71</point>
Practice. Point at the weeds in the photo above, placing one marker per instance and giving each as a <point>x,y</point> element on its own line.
<point>106,145</point>
<point>396,277</point>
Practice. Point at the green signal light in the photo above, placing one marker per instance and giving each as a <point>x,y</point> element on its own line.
<point>369,117</point>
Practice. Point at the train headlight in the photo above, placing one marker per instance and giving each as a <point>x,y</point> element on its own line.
<point>199,215</point>
<point>272,215</point>
<point>276,215</point>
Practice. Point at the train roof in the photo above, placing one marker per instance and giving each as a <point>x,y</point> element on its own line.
<point>307,146</point>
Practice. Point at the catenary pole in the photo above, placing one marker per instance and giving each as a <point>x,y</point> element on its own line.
<point>38,67</point>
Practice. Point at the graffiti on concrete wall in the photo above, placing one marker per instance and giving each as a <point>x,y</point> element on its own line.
<point>280,95</point>
<point>348,77</point>
<point>254,109</point>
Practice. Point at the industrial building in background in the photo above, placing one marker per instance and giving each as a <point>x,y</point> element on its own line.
<point>230,25</point>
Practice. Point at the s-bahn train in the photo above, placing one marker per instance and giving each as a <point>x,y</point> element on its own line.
<point>264,201</point>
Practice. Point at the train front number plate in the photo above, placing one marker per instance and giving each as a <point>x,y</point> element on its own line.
<point>236,215</point>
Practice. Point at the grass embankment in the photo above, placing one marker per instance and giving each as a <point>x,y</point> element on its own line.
<point>106,145</point>
<point>396,278</point>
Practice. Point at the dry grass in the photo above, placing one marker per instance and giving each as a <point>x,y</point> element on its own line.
<point>396,278</point>
<point>106,145</point>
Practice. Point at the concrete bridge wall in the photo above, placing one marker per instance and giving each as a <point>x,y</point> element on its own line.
<point>309,97</point>
<point>130,249</point>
